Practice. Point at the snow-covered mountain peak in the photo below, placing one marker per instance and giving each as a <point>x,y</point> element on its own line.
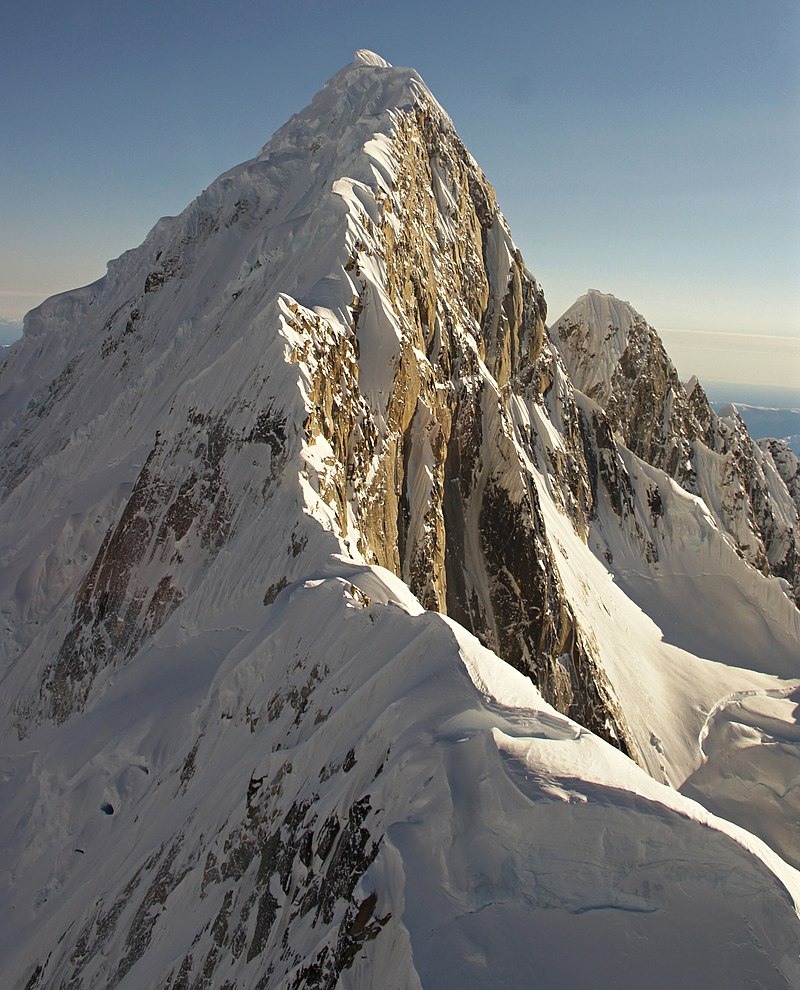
<point>617,359</point>
<point>597,330</point>
<point>361,94</point>
<point>240,477</point>
<point>605,302</point>
<point>367,57</point>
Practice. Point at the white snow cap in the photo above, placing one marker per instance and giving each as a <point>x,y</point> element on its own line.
<point>367,57</point>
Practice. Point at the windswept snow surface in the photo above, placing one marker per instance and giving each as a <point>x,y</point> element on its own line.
<point>500,833</point>
<point>694,629</point>
<point>235,754</point>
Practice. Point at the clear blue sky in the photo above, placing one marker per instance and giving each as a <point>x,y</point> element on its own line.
<point>643,148</point>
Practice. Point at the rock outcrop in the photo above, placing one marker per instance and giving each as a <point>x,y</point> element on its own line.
<point>430,471</point>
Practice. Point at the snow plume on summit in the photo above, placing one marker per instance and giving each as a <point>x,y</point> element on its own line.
<point>278,494</point>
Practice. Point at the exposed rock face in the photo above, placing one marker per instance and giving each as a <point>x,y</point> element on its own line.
<point>335,361</point>
<point>179,515</point>
<point>430,475</point>
<point>429,395</point>
<point>617,359</point>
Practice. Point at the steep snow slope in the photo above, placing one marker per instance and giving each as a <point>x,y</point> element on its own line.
<point>787,464</point>
<point>707,634</point>
<point>357,788</point>
<point>238,751</point>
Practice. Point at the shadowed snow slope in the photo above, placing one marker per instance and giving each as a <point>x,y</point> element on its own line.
<point>277,493</point>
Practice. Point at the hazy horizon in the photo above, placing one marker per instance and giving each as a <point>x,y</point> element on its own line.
<point>648,151</point>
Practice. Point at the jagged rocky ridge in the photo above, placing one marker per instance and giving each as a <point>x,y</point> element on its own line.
<point>411,349</point>
<point>617,359</point>
<point>334,360</point>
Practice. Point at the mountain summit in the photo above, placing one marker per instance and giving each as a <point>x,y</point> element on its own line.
<point>279,491</point>
<point>617,358</point>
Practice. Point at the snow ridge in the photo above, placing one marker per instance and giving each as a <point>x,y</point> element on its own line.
<point>278,491</point>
